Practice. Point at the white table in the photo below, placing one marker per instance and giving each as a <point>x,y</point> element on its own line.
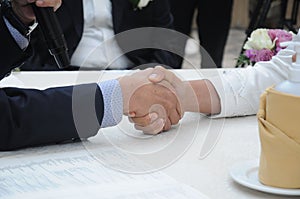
<point>236,140</point>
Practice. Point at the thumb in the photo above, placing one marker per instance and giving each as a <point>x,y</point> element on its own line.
<point>157,75</point>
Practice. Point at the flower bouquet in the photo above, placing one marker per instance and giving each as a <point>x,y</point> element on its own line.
<point>262,45</point>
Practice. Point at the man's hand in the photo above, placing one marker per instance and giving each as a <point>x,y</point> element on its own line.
<point>23,9</point>
<point>157,99</point>
<point>141,97</point>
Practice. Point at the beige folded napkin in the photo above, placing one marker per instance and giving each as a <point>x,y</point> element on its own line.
<point>279,130</point>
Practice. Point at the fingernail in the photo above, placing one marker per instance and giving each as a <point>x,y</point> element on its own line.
<point>153,76</point>
<point>131,114</point>
<point>153,117</point>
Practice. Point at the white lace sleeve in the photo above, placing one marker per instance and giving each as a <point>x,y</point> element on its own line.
<point>239,89</point>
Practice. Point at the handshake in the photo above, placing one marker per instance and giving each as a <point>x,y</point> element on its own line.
<point>155,99</point>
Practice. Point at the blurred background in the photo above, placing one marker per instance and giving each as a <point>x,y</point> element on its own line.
<point>241,16</point>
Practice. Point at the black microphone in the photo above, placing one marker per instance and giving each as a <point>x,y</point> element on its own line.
<point>53,35</point>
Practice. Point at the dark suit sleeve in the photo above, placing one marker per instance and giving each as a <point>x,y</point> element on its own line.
<point>33,117</point>
<point>36,117</point>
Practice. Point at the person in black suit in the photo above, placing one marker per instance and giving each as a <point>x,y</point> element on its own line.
<point>123,17</point>
<point>32,117</point>
<point>213,23</point>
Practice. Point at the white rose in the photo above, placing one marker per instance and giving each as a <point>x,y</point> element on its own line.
<point>259,39</point>
<point>143,3</point>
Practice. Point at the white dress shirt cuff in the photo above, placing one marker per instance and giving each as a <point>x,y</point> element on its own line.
<point>113,103</point>
<point>22,41</point>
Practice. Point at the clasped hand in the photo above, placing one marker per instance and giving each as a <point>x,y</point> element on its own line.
<point>154,99</point>
<point>23,9</point>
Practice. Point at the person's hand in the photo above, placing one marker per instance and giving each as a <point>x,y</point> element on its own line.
<point>194,95</point>
<point>23,9</point>
<point>141,97</point>
<point>157,102</point>
<point>183,91</point>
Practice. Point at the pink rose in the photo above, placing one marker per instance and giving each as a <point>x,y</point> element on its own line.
<point>251,54</point>
<point>264,55</point>
<point>256,50</point>
<point>280,36</point>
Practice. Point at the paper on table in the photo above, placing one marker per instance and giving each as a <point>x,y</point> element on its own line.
<point>80,175</point>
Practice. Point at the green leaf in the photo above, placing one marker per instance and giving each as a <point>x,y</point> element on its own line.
<point>243,60</point>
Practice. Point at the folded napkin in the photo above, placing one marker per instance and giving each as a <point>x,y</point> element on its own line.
<point>279,130</point>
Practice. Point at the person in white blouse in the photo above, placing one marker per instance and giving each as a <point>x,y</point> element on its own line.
<point>232,93</point>
<point>91,29</point>
<point>98,27</point>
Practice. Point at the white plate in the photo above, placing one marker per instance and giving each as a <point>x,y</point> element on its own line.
<point>246,174</point>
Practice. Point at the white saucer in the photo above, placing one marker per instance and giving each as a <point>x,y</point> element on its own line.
<point>246,174</point>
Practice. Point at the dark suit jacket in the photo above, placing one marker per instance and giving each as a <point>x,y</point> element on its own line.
<point>70,15</point>
<point>31,117</point>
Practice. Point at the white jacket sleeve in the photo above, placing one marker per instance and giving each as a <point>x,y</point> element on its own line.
<point>239,89</point>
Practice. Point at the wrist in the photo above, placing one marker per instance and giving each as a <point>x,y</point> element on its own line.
<point>189,101</point>
<point>207,98</point>
<point>214,99</point>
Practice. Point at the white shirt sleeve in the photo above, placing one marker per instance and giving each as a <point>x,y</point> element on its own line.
<point>240,89</point>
